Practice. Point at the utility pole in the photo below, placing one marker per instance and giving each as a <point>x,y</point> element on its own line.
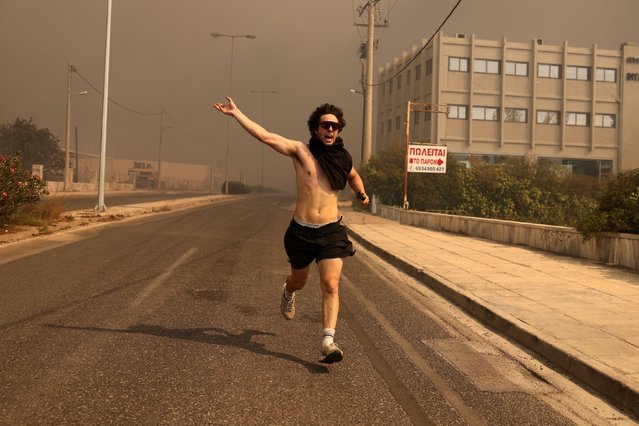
<point>67,173</point>
<point>368,93</point>
<point>158,185</point>
<point>77,163</point>
<point>367,137</point>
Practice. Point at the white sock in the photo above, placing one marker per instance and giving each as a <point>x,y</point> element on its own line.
<point>329,336</point>
<point>287,295</point>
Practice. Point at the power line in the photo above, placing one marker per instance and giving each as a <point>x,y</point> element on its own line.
<point>184,131</point>
<point>110,99</point>
<point>422,49</point>
<point>141,113</point>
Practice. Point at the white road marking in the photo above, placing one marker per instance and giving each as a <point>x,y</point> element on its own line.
<point>161,279</point>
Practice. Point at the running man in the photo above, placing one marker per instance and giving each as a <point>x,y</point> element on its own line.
<point>322,168</point>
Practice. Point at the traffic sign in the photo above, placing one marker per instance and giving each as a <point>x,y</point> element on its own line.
<point>427,158</point>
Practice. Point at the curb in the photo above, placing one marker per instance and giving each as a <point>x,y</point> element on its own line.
<point>607,383</point>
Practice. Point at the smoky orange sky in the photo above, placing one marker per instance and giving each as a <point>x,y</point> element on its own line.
<point>162,56</point>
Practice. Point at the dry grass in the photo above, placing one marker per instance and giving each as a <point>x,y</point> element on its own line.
<point>42,214</point>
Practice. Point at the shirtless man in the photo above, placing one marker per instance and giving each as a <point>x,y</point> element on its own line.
<point>322,168</point>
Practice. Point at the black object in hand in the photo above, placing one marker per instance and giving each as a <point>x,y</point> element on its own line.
<point>361,196</point>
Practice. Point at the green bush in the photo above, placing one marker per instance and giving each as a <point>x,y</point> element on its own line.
<point>618,210</point>
<point>17,186</point>
<point>519,189</point>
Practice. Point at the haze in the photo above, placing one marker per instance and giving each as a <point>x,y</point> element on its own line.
<point>162,56</point>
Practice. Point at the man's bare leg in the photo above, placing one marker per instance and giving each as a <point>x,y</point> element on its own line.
<point>295,281</point>
<point>330,270</point>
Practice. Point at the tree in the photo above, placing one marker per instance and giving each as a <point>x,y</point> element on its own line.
<point>236,187</point>
<point>35,146</point>
<point>384,175</point>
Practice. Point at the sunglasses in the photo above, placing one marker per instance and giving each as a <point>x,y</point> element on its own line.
<point>326,125</point>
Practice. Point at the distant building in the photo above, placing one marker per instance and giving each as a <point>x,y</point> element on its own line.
<point>578,106</point>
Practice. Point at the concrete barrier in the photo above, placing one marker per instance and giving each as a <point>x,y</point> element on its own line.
<point>55,187</point>
<point>613,249</point>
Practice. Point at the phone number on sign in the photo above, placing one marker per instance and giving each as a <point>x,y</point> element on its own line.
<point>427,169</point>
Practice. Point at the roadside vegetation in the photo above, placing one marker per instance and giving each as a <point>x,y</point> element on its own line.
<point>22,145</point>
<point>19,188</point>
<point>519,189</point>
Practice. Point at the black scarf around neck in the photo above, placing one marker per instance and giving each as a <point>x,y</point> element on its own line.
<point>334,160</point>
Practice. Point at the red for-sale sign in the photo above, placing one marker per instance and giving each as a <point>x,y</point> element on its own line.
<point>427,158</point>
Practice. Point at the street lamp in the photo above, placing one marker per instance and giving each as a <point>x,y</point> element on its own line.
<point>363,121</point>
<point>263,92</point>
<point>105,109</point>
<point>228,119</point>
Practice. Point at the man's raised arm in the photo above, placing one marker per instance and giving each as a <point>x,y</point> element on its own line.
<point>278,143</point>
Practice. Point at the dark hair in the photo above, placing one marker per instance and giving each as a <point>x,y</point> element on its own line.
<point>314,119</point>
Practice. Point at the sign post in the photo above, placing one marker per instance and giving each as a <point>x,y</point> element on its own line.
<point>423,158</point>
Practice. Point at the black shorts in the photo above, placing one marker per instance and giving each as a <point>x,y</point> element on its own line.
<point>303,244</point>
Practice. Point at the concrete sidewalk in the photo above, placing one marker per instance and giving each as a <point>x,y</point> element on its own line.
<point>581,316</point>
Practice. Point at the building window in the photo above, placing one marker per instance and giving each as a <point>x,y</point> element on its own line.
<point>458,64</point>
<point>399,82</point>
<point>429,66</point>
<point>416,117</point>
<point>485,113</point>
<point>486,66</point>
<point>547,117</point>
<point>408,77</point>
<point>516,115</point>
<point>604,120</point>
<point>390,86</point>
<point>418,72</point>
<point>457,111</point>
<point>397,119</point>
<point>576,119</point>
<point>577,73</point>
<point>549,71</point>
<point>390,125</point>
<point>427,116</point>
<point>606,74</point>
<point>517,68</point>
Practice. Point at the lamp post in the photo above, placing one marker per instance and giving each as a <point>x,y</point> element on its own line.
<point>228,119</point>
<point>105,108</point>
<point>263,92</point>
<point>162,127</point>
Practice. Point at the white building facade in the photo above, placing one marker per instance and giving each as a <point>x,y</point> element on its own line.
<point>577,106</point>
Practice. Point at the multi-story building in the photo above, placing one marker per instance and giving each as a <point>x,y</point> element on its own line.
<point>578,106</point>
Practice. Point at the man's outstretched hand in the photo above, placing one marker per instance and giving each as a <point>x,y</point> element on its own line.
<point>228,108</point>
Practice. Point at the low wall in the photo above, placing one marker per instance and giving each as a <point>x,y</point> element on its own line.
<point>614,249</point>
<point>55,187</point>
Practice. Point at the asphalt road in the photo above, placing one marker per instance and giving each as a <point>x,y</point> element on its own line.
<point>174,319</point>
